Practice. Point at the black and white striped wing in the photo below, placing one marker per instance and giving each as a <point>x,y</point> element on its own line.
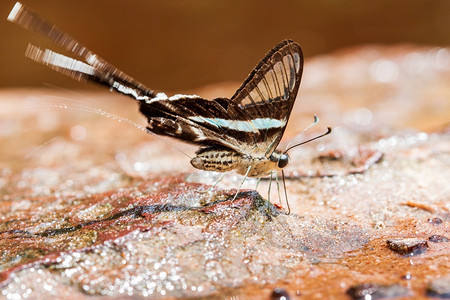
<point>91,67</point>
<point>268,94</point>
<point>196,120</point>
<point>252,122</point>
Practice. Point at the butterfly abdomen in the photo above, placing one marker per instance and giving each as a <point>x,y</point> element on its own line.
<point>216,159</point>
<point>221,159</point>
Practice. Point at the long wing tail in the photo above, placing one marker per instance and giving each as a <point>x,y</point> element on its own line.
<point>94,68</point>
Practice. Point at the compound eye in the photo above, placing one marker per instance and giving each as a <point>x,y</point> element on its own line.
<point>283,161</point>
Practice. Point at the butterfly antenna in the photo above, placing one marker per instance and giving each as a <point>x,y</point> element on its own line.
<point>316,120</point>
<point>285,192</point>
<point>310,140</point>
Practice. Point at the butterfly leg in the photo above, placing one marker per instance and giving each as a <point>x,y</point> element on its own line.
<point>285,192</point>
<point>257,183</point>
<point>242,182</point>
<point>270,187</point>
<point>215,184</point>
<point>268,191</point>
<point>278,186</point>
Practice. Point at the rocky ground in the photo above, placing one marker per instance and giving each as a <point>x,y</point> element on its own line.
<point>93,207</point>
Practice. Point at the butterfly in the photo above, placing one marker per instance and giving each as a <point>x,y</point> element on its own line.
<point>240,133</point>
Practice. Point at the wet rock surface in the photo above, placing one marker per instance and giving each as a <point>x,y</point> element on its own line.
<point>158,237</point>
<point>93,207</point>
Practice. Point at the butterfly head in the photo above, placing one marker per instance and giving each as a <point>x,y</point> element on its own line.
<point>280,158</point>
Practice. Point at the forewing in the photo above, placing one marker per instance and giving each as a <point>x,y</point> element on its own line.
<point>267,96</point>
<point>252,122</point>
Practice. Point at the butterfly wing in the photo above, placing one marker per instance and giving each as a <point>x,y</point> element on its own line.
<point>91,68</point>
<point>269,92</point>
<point>252,122</point>
<point>192,119</point>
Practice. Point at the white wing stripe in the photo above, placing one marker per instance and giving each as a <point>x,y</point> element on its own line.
<point>163,97</point>
<point>14,11</point>
<point>58,60</point>
<point>246,126</point>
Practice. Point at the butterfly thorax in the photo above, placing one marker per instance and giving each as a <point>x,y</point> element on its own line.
<point>222,159</point>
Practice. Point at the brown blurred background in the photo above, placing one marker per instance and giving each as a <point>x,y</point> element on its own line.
<point>179,45</point>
